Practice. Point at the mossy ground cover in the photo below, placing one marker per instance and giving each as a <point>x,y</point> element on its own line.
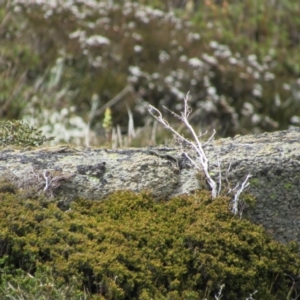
<point>132,247</point>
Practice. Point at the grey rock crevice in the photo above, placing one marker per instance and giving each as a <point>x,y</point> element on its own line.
<point>273,160</point>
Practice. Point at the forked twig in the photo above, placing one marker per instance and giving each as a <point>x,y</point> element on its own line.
<point>201,161</point>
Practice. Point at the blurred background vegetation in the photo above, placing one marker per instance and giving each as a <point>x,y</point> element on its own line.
<point>85,71</point>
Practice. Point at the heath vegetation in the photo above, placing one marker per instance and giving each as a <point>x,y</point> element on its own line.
<point>132,247</point>
<point>63,63</point>
<point>86,72</point>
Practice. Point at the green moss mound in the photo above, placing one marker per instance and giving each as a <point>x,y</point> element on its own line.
<point>132,247</point>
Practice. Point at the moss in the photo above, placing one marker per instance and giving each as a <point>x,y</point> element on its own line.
<point>287,186</point>
<point>131,247</point>
<point>200,176</point>
<point>248,199</point>
<point>6,186</point>
<point>254,182</point>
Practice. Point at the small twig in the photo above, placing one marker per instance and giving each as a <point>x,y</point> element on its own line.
<point>219,296</point>
<point>213,134</point>
<point>195,144</point>
<point>250,296</point>
<point>220,174</point>
<point>47,180</point>
<point>236,200</point>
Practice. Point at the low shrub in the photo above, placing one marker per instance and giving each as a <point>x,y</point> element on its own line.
<point>133,247</point>
<point>239,60</point>
<point>19,133</point>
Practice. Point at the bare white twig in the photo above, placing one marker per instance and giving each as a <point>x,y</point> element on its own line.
<point>220,174</point>
<point>250,297</point>
<point>236,200</point>
<point>47,180</point>
<point>219,296</point>
<point>211,137</point>
<point>202,162</point>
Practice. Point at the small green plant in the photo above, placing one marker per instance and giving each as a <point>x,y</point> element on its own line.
<point>254,182</point>
<point>288,186</point>
<point>107,123</point>
<point>19,133</point>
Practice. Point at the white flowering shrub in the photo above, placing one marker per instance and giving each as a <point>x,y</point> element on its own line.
<point>61,54</point>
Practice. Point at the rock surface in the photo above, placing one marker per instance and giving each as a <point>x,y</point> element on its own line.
<point>273,160</point>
